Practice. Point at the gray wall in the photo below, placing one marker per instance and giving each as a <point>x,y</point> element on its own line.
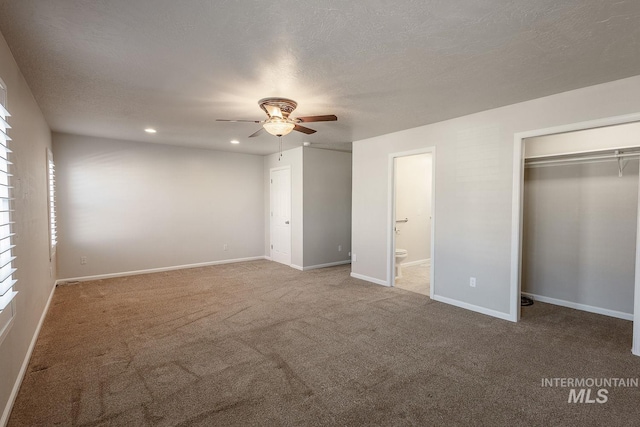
<point>130,206</point>
<point>579,239</point>
<point>320,204</point>
<point>35,274</point>
<point>473,190</point>
<point>326,206</point>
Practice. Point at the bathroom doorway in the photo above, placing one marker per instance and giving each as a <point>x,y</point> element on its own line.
<point>412,223</point>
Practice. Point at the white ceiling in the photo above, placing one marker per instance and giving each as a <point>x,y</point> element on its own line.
<point>112,68</point>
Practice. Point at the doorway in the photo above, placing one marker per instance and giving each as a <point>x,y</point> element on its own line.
<point>518,212</point>
<point>411,249</point>
<point>280,214</point>
<point>579,232</point>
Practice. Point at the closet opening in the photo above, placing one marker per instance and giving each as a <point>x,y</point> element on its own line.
<point>579,216</point>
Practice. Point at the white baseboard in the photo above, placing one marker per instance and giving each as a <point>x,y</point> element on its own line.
<point>583,307</point>
<point>426,261</point>
<point>330,264</point>
<point>156,270</point>
<point>476,308</point>
<point>369,279</point>
<point>297,267</point>
<point>25,364</point>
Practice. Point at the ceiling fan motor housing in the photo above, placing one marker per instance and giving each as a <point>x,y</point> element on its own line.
<point>285,105</point>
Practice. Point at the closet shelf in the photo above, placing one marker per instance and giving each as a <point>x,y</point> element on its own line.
<point>560,159</point>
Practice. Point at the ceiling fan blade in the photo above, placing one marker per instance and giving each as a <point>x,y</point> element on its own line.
<point>273,110</point>
<point>256,133</point>
<point>244,121</point>
<point>327,118</point>
<point>304,129</point>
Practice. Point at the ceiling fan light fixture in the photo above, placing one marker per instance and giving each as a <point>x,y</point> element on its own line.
<point>279,121</point>
<point>278,127</point>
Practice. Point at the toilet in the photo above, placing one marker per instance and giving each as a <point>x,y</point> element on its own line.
<point>400,255</point>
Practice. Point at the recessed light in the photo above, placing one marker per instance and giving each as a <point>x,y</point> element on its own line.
<point>235,141</point>
<point>150,130</point>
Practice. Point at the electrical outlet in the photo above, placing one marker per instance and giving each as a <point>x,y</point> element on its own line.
<point>224,247</point>
<point>472,282</point>
<point>339,248</point>
<point>349,253</point>
<point>83,260</point>
<point>354,258</point>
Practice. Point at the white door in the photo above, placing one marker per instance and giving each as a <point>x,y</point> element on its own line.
<point>280,208</point>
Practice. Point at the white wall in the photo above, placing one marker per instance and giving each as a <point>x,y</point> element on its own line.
<point>130,206</point>
<point>473,190</point>
<point>327,206</point>
<point>608,137</point>
<point>413,202</point>
<point>293,159</point>
<point>579,234</point>
<point>35,274</point>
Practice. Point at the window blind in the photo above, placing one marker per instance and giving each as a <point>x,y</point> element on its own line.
<point>53,231</point>
<point>6,228</point>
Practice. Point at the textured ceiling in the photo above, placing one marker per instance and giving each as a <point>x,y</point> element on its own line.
<point>112,68</point>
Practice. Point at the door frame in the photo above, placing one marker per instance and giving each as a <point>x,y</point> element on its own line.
<point>271,171</point>
<point>391,215</point>
<point>517,215</point>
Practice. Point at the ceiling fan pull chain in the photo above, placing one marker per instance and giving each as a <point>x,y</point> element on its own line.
<point>280,146</point>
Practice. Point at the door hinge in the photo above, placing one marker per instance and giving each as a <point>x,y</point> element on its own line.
<point>272,181</point>
<point>271,246</point>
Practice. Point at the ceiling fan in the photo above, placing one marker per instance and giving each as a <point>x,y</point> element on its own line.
<point>279,123</point>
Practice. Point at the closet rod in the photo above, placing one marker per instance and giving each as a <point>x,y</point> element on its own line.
<point>534,162</point>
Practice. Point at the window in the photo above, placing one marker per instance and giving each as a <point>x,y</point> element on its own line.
<point>6,233</point>
<point>51,180</point>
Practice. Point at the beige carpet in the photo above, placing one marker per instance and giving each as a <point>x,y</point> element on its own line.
<point>258,343</point>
